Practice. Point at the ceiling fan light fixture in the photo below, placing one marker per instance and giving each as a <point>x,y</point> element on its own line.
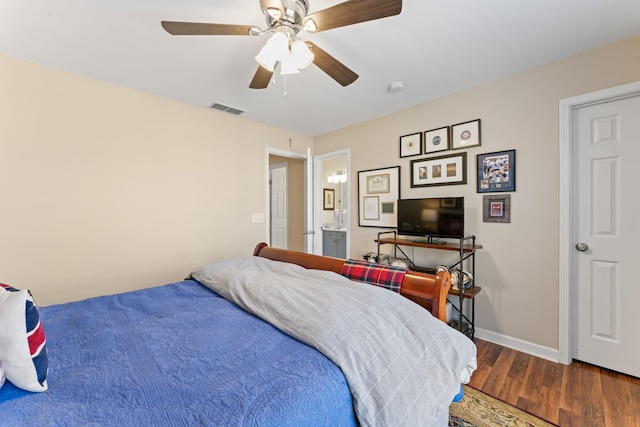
<point>292,53</point>
<point>276,49</point>
<point>310,25</point>
<point>288,66</point>
<point>266,59</point>
<point>290,17</point>
<point>301,54</point>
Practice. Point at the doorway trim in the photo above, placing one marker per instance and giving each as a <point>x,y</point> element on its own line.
<point>566,238</point>
<point>282,153</point>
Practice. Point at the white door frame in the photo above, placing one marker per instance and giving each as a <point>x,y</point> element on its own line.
<point>282,153</point>
<point>567,253</point>
<point>317,196</point>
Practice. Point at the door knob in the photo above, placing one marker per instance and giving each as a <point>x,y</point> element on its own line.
<point>582,246</point>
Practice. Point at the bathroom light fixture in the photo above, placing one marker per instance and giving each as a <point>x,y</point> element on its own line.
<point>337,177</point>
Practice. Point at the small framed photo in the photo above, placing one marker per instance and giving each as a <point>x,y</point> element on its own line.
<point>496,171</point>
<point>442,170</point>
<point>329,197</point>
<point>465,135</point>
<point>411,145</point>
<point>496,208</point>
<point>436,140</point>
<point>387,208</point>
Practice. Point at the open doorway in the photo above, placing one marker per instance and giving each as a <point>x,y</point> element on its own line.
<point>331,203</point>
<point>286,202</point>
<point>307,177</point>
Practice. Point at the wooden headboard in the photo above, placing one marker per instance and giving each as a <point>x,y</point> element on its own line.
<point>428,290</point>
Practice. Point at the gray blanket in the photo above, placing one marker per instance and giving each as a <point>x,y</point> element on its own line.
<point>403,366</point>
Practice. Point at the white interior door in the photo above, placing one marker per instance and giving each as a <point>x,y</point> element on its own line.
<point>279,207</point>
<point>606,144</point>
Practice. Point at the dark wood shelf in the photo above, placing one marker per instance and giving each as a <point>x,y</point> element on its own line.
<point>467,293</point>
<point>422,244</point>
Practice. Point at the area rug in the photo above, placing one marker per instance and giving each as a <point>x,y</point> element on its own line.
<point>481,410</point>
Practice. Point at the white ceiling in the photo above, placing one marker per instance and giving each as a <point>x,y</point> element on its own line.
<point>436,47</point>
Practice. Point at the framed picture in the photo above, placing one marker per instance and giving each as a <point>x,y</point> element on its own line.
<point>411,145</point>
<point>387,207</point>
<point>371,208</point>
<point>329,197</point>
<point>496,208</point>
<point>378,194</point>
<point>442,170</point>
<point>378,183</point>
<point>465,135</point>
<point>497,171</point>
<point>436,140</point>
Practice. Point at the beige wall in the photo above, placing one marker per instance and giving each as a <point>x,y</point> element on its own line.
<point>106,189</point>
<point>518,266</point>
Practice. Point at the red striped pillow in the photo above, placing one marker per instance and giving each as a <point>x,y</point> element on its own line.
<point>23,346</point>
<point>386,276</point>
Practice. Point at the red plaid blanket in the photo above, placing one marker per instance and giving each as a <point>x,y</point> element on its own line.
<point>386,276</point>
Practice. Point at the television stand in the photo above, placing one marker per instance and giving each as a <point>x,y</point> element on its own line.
<point>432,241</point>
<point>466,251</point>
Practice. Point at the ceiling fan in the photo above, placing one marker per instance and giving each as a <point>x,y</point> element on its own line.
<point>285,19</point>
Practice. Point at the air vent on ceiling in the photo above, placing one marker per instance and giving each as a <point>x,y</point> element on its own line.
<point>226,108</point>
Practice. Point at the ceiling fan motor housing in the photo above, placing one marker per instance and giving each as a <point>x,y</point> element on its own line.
<point>290,15</point>
<point>295,11</point>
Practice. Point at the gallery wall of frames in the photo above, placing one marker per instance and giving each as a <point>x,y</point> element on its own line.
<point>438,158</point>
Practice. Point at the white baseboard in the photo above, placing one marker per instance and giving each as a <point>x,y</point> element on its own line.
<point>537,350</point>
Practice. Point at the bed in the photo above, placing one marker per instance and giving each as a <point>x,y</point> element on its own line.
<point>274,339</point>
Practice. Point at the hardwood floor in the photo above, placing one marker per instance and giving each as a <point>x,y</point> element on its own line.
<point>577,395</point>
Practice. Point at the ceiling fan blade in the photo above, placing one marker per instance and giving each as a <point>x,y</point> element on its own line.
<point>202,29</point>
<point>330,65</point>
<point>261,78</point>
<point>353,12</point>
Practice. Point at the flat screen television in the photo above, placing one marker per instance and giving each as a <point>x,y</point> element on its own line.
<point>432,217</point>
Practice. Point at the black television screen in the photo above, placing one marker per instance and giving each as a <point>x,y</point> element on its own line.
<point>437,217</point>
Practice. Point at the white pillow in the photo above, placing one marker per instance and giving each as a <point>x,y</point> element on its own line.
<point>23,346</point>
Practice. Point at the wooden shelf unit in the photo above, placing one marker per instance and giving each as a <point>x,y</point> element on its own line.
<point>449,246</point>
<point>465,250</point>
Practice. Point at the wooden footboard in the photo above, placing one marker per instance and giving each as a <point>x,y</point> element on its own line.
<point>428,290</point>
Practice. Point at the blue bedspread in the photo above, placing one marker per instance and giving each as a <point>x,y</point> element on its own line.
<point>176,355</point>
